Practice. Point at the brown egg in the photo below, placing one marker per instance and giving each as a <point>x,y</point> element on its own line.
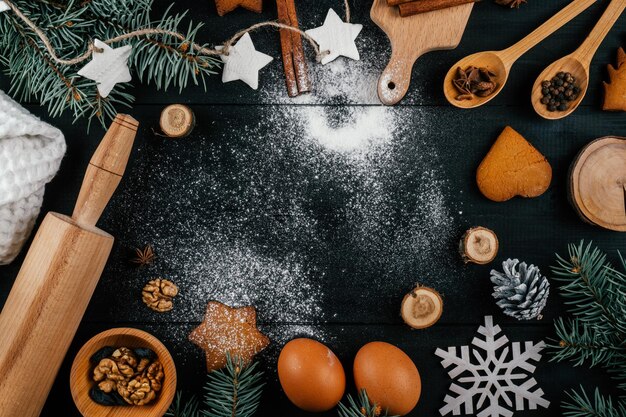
<point>389,376</point>
<point>311,375</point>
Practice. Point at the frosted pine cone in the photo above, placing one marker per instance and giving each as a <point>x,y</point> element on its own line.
<point>522,292</point>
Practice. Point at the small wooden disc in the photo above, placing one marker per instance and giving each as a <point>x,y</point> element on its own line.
<point>177,121</point>
<point>421,308</point>
<point>598,183</point>
<point>479,245</point>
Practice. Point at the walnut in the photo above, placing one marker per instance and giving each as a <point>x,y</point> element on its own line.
<point>137,391</point>
<point>143,364</point>
<point>107,385</point>
<point>155,375</point>
<point>126,361</point>
<point>107,369</point>
<point>158,294</point>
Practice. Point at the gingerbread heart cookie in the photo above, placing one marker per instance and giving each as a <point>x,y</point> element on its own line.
<point>513,167</point>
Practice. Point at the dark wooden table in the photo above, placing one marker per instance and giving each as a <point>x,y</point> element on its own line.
<point>243,197</point>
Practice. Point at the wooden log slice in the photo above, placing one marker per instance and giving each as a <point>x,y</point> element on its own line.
<point>177,121</point>
<point>597,187</point>
<point>421,308</point>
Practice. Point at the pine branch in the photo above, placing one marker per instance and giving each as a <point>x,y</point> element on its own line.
<point>69,24</point>
<point>234,391</point>
<point>183,409</point>
<point>596,295</point>
<point>581,342</point>
<point>361,409</point>
<point>580,405</point>
<point>593,289</point>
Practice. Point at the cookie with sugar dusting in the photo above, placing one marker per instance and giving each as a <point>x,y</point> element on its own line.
<point>228,330</point>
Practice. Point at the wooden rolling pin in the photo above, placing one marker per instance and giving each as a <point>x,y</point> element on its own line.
<point>56,281</point>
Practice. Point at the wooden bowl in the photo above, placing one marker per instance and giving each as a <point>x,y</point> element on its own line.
<point>82,368</point>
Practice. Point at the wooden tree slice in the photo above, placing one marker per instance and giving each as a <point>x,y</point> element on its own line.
<point>479,245</point>
<point>597,187</point>
<point>421,308</point>
<point>177,121</point>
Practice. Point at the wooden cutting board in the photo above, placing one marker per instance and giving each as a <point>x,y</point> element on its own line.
<point>410,38</point>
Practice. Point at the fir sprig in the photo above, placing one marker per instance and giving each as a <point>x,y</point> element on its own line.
<point>161,59</point>
<point>580,405</point>
<point>595,293</point>
<point>234,391</point>
<point>361,408</point>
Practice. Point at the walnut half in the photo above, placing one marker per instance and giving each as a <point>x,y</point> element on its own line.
<point>158,294</point>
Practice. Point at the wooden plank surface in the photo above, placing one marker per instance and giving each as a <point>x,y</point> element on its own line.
<point>245,146</point>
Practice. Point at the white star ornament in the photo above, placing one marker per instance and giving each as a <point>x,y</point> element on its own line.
<point>243,62</point>
<point>336,36</point>
<point>3,6</point>
<point>108,67</point>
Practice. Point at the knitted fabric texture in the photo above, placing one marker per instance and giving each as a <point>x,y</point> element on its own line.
<point>30,155</point>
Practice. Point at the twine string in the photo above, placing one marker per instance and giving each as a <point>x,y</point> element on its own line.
<point>199,49</point>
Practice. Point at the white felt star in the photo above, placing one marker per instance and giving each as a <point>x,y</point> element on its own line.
<point>3,6</point>
<point>243,62</point>
<point>108,67</point>
<point>337,37</point>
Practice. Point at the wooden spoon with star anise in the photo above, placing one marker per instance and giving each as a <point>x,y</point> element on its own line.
<point>498,63</point>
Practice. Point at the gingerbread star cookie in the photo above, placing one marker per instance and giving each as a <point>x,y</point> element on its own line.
<point>225,6</point>
<point>227,330</point>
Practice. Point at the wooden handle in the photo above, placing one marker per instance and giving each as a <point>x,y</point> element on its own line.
<point>587,50</point>
<point>105,170</point>
<point>396,78</point>
<point>576,7</point>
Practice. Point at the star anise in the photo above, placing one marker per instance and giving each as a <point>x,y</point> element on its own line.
<point>511,3</point>
<point>474,81</point>
<point>144,257</point>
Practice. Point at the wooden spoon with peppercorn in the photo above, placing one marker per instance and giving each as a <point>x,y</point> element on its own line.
<point>561,87</point>
<point>478,78</point>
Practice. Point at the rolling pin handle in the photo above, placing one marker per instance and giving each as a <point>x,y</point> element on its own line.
<point>105,170</point>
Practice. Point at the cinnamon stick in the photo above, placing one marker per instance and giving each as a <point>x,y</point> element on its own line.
<point>425,6</point>
<point>397,2</point>
<point>294,62</point>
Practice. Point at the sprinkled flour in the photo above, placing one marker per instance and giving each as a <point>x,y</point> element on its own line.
<point>292,212</point>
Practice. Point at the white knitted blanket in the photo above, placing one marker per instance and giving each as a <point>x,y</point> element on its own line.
<point>30,155</point>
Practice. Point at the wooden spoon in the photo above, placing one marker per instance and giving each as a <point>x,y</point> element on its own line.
<point>500,62</point>
<point>577,63</point>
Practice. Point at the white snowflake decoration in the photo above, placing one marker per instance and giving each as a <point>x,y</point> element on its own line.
<point>494,377</point>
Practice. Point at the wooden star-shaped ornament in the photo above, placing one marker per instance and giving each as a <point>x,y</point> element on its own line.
<point>243,62</point>
<point>225,6</point>
<point>227,330</point>
<point>337,37</point>
<point>108,67</point>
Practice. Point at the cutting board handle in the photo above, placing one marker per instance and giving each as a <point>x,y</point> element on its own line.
<point>105,170</point>
<point>395,80</point>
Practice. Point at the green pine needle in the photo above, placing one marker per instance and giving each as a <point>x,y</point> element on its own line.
<point>183,409</point>
<point>362,408</point>
<point>234,391</point>
<point>580,405</point>
<point>595,293</point>
<point>162,60</point>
